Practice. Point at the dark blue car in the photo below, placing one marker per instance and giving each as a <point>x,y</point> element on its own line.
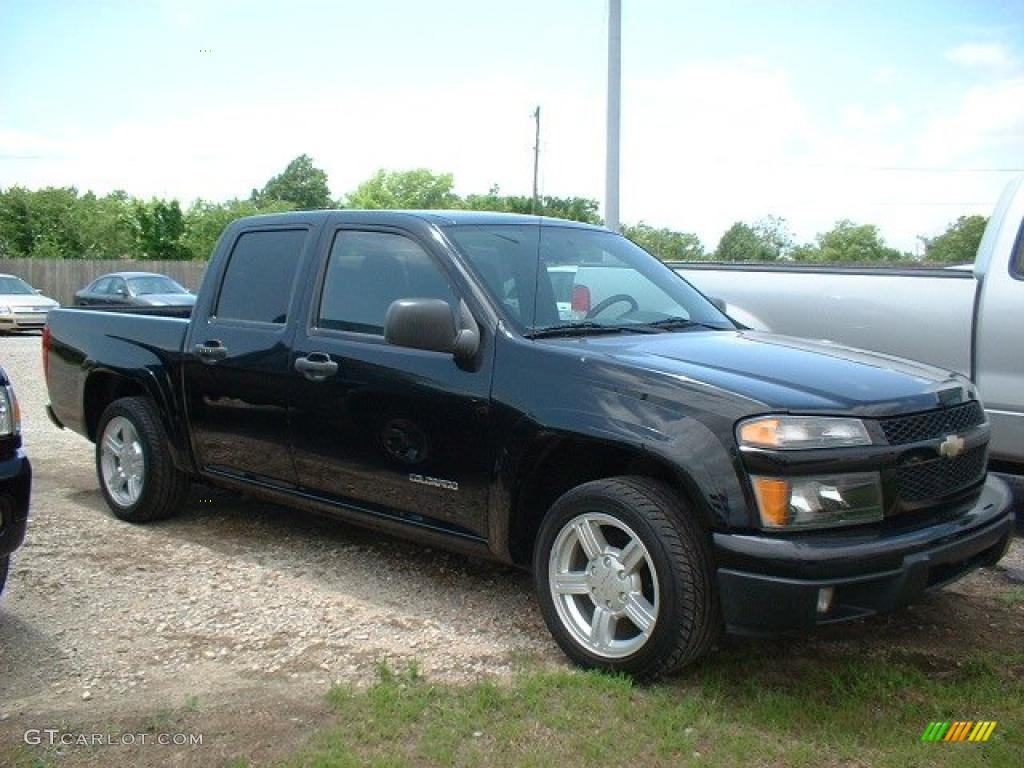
<point>15,478</point>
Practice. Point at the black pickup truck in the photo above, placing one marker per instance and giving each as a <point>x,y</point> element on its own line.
<point>665,472</point>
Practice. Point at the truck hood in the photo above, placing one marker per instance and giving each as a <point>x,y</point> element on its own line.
<point>786,373</point>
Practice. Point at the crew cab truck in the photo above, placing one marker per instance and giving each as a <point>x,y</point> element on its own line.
<point>962,319</point>
<point>665,473</point>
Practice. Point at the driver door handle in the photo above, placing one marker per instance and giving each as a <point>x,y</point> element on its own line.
<point>210,351</point>
<point>317,366</point>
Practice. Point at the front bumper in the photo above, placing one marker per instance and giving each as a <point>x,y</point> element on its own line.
<point>15,488</point>
<point>23,321</point>
<point>770,584</point>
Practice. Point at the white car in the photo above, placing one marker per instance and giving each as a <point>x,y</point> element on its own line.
<point>22,308</point>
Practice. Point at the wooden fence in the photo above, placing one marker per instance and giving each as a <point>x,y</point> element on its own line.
<point>60,278</point>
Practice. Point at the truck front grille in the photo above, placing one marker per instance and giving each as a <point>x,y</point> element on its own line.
<point>901,430</point>
<point>937,478</point>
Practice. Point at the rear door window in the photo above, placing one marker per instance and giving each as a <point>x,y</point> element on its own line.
<point>257,284</point>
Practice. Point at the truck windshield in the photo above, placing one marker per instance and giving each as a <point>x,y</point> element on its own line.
<point>549,279</point>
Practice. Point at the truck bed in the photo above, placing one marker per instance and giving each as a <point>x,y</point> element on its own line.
<point>855,306</point>
<point>81,337</point>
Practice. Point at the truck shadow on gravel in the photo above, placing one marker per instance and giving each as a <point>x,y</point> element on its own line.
<point>235,524</point>
<point>328,556</point>
<point>984,611</point>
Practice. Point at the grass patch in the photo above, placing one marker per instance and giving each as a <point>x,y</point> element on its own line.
<point>166,719</point>
<point>1012,596</point>
<point>740,707</point>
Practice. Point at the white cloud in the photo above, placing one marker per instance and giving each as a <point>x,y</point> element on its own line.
<point>697,144</point>
<point>986,117</point>
<point>703,146</point>
<point>982,56</point>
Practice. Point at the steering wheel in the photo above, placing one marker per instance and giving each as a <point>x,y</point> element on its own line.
<point>603,305</point>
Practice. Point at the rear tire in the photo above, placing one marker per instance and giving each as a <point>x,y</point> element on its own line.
<point>632,573</point>
<point>134,464</point>
<point>5,564</point>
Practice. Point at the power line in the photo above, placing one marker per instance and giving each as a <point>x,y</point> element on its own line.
<point>822,166</point>
<point>912,168</point>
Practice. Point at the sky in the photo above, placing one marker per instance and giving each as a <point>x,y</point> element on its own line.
<point>901,113</point>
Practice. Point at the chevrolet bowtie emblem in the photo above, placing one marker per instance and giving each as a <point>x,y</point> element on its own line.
<point>952,446</point>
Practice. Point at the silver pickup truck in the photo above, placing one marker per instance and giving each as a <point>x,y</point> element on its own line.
<point>969,320</point>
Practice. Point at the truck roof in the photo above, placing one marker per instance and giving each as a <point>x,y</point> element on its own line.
<point>444,218</point>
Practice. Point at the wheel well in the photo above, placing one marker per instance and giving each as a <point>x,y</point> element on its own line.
<point>553,470</point>
<point>101,389</point>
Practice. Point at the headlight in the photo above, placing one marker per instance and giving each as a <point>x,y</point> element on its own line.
<point>10,414</point>
<point>4,309</point>
<point>819,501</point>
<point>802,432</point>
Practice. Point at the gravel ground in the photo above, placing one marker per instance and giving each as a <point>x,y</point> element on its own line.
<point>235,616</point>
<point>229,601</point>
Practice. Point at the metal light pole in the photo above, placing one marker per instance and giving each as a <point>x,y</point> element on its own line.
<point>611,178</point>
<point>536,160</point>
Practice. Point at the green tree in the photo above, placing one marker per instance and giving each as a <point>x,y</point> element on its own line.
<point>106,225</point>
<point>161,226</point>
<point>418,188</point>
<point>959,243</point>
<point>573,208</point>
<point>301,184</point>
<point>805,252</point>
<point>742,242</point>
<point>16,234</point>
<point>56,222</point>
<point>666,244</point>
<point>41,223</point>
<point>774,233</point>
<point>852,243</point>
<point>205,221</point>
<point>495,201</point>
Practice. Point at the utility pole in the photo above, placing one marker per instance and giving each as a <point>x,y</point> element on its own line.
<point>611,174</point>
<point>536,158</point>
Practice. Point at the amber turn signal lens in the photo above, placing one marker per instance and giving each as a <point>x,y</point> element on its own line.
<point>762,432</point>
<point>773,500</point>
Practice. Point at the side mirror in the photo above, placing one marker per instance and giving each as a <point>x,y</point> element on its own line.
<point>719,304</point>
<point>431,324</point>
<point>38,290</point>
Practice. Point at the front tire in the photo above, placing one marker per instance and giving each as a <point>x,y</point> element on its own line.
<point>134,464</point>
<point>5,564</point>
<point>623,574</point>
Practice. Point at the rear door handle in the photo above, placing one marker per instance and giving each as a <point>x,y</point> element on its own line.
<point>210,351</point>
<point>317,366</point>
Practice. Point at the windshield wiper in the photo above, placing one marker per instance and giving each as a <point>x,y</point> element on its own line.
<point>675,323</point>
<point>587,328</point>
